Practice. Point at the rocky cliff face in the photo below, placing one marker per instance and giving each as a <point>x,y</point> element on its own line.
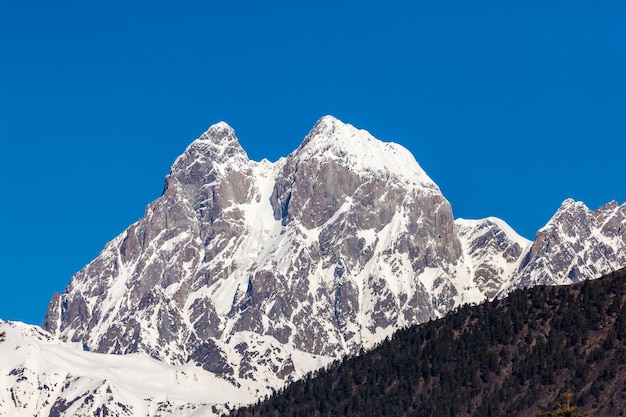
<point>259,272</point>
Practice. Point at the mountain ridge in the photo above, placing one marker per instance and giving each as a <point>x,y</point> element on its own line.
<point>320,254</point>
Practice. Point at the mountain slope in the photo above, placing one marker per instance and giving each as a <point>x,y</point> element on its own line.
<point>513,356</point>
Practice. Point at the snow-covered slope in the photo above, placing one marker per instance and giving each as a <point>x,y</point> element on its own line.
<point>41,376</point>
<point>258,272</point>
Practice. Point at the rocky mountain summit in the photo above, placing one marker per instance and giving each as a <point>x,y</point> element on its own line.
<point>575,245</point>
<point>258,272</point>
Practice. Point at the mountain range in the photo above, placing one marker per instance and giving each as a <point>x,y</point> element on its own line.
<point>247,275</point>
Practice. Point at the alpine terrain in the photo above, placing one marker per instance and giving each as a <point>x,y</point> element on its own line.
<point>251,274</point>
<point>520,356</point>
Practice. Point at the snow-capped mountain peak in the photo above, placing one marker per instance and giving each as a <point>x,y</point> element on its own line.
<point>358,149</point>
<point>305,251</point>
<point>220,140</point>
<point>569,208</point>
<point>210,157</point>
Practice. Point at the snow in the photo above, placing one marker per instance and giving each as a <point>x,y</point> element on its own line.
<point>360,151</point>
<point>262,235</point>
<point>428,278</point>
<point>501,224</point>
<point>136,380</point>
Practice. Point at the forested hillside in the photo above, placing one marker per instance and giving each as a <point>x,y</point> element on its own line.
<point>514,356</point>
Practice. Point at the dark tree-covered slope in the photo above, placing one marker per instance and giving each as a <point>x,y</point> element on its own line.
<point>509,357</point>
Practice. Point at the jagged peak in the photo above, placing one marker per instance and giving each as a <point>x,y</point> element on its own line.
<point>219,139</point>
<point>326,126</point>
<point>216,150</point>
<point>491,222</point>
<point>570,203</point>
<point>360,151</point>
<point>610,206</point>
<point>568,208</point>
<point>219,132</point>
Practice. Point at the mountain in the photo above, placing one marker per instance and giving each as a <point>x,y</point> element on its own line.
<point>260,272</point>
<point>513,356</point>
<point>327,250</point>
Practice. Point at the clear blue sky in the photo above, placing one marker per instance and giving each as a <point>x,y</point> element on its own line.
<point>510,107</point>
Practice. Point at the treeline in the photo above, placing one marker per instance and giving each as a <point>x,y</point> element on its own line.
<point>514,356</point>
